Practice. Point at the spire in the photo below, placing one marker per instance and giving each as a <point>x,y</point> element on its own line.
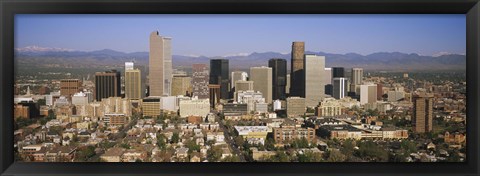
<point>28,91</point>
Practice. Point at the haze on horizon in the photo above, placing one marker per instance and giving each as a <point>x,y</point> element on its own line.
<point>223,35</point>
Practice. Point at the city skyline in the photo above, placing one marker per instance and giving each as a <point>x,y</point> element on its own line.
<point>368,117</point>
<point>420,34</point>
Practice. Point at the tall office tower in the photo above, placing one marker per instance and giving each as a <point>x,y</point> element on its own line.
<point>200,81</point>
<point>327,77</point>
<point>297,76</point>
<point>379,91</point>
<point>314,85</point>
<point>338,72</point>
<point>219,71</point>
<point>181,85</point>
<point>422,112</point>
<point>357,76</point>
<point>214,94</point>
<point>262,81</point>
<point>160,63</point>
<point>238,76</point>
<point>287,86</point>
<point>133,84</point>
<point>340,87</point>
<point>368,93</point>
<point>279,80</point>
<point>107,84</point>
<point>357,80</point>
<point>69,87</point>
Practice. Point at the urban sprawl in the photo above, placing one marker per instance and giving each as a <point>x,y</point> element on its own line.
<point>308,113</point>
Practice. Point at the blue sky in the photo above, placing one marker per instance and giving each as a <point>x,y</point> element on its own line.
<point>220,35</point>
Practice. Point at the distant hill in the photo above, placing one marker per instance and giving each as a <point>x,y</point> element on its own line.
<point>58,57</point>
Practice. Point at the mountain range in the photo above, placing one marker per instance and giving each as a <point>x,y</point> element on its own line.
<point>46,57</point>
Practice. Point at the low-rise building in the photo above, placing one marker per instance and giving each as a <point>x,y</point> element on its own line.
<point>113,155</point>
<point>194,107</point>
<point>285,135</point>
<point>252,131</point>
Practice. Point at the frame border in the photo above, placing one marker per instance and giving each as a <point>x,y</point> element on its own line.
<point>8,9</point>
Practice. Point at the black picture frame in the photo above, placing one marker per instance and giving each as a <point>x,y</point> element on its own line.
<point>8,9</point>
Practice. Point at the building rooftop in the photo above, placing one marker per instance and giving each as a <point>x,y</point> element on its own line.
<point>243,130</point>
<point>114,152</point>
<point>339,128</point>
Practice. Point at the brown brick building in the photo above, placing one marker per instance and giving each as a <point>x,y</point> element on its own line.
<point>284,135</point>
<point>68,87</point>
<point>422,112</point>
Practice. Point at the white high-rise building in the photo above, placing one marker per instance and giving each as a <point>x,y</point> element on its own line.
<point>314,81</point>
<point>368,93</point>
<point>327,78</point>
<point>160,63</point>
<point>277,105</point>
<point>129,66</point>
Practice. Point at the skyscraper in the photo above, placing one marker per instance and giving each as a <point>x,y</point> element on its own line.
<point>357,80</point>
<point>314,67</point>
<point>133,82</point>
<point>107,84</point>
<point>69,87</point>
<point>368,93</point>
<point>238,76</point>
<point>219,71</point>
<point>297,76</point>
<point>422,112</point>
<point>327,77</point>
<point>181,85</point>
<point>340,87</point>
<point>262,81</point>
<point>200,81</point>
<point>287,86</point>
<point>160,63</point>
<point>279,81</point>
<point>357,76</point>
<point>338,72</point>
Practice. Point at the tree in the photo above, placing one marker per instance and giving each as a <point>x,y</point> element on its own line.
<point>161,142</point>
<point>85,153</point>
<point>370,150</point>
<point>348,148</point>
<point>336,156</point>
<point>231,159</point>
<point>41,102</point>
<point>310,157</point>
<point>125,146</point>
<point>214,154</point>
<point>270,144</point>
<point>192,146</point>
<point>280,156</point>
<point>175,137</point>
<point>239,140</point>
<point>300,143</point>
